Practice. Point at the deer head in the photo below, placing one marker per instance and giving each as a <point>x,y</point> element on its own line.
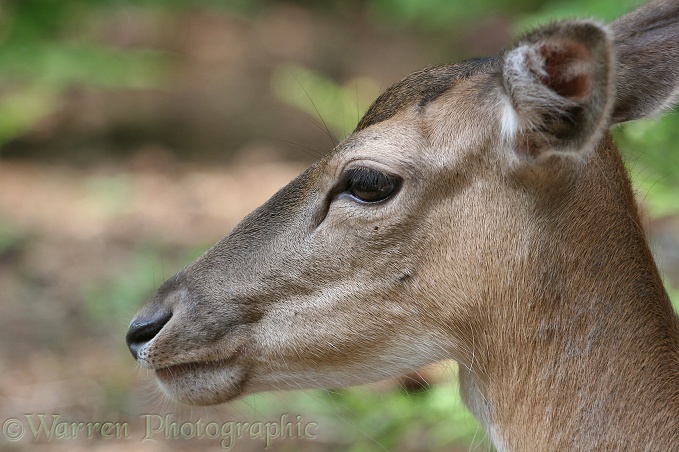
<point>479,212</point>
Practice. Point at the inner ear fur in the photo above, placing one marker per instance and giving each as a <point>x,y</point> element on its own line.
<point>559,86</point>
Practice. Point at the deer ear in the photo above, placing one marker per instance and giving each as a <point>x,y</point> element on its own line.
<point>559,89</point>
<point>647,51</point>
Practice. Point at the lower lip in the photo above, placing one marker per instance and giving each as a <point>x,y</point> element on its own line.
<point>178,370</point>
<point>172,372</point>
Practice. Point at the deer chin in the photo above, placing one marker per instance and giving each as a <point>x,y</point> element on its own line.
<point>203,383</point>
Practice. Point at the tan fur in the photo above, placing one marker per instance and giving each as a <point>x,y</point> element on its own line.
<point>513,246</point>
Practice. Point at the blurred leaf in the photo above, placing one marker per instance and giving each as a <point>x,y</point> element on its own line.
<point>21,109</point>
<point>434,419</point>
<point>651,149</point>
<point>674,296</point>
<point>108,196</point>
<point>44,52</point>
<point>603,10</point>
<point>402,416</point>
<point>113,303</point>
<point>337,107</point>
<point>441,14</point>
<point>60,65</point>
<point>9,236</point>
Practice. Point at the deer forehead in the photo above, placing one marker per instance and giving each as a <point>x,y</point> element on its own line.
<point>409,128</point>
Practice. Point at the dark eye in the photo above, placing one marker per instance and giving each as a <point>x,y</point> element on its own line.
<point>368,185</point>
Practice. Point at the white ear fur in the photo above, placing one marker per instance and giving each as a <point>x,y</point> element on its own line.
<point>559,89</point>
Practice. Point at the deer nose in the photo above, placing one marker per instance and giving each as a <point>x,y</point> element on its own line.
<point>144,328</point>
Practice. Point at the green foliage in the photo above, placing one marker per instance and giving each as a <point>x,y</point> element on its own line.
<point>53,65</point>
<point>405,418</point>
<point>9,236</point>
<point>337,107</point>
<point>602,10</point>
<point>403,421</point>
<point>108,196</point>
<point>46,49</point>
<point>651,148</point>
<point>444,14</point>
<point>118,298</point>
<point>674,296</point>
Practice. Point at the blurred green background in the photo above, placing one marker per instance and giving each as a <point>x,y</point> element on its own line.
<point>134,134</point>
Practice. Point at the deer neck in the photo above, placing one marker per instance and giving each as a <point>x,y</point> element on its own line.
<point>585,338</point>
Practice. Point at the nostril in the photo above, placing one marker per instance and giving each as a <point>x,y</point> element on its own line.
<point>144,328</point>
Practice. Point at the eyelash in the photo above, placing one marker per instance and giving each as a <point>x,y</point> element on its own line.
<point>369,186</point>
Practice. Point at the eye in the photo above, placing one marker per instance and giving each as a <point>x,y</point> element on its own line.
<point>368,185</point>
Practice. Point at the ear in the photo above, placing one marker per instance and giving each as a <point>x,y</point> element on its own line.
<point>559,88</point>
<point>647,48</point>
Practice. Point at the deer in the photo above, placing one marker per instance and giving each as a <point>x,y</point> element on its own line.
<point>479,212</point>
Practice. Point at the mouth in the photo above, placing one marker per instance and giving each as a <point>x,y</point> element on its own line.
<point>203,382</point>
<point>194,368</point>
<point>178,371</point>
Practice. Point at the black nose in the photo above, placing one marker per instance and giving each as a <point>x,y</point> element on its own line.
<point>144,328</point>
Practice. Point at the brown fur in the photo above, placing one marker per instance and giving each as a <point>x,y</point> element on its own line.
<point>512,245</point>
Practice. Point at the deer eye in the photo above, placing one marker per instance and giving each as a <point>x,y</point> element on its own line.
<point>368,185</point>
